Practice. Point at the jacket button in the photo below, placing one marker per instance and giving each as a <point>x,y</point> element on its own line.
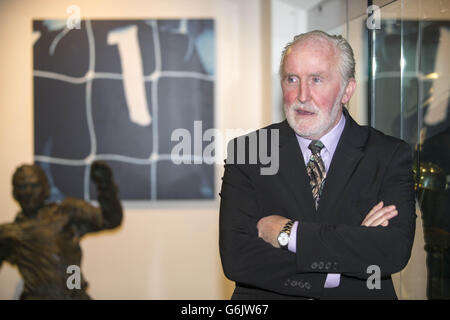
<point>328,265</point>
<point>321,264</point>
<point>307,285</point>
<point>314,265</point>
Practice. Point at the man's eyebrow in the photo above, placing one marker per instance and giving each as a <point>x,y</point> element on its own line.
<point>317,74</point>
<point>288,74</point>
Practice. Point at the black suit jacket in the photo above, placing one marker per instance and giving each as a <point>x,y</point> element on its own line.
<point>367,167</point>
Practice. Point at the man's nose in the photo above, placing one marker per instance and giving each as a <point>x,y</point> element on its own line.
<point>303,92</point>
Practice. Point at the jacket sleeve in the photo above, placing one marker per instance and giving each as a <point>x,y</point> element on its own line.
<point>352,249</point>
<point>246,258</point>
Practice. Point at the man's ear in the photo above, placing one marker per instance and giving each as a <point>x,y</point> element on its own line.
<point>349,90</point>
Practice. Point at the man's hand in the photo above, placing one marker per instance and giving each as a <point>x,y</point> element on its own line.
<point>379,215</point>
<point>269,228</point>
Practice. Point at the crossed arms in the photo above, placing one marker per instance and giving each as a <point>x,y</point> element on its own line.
<point>383,237</point>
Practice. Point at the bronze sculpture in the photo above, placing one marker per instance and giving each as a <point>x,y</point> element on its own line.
<point>44,239</point>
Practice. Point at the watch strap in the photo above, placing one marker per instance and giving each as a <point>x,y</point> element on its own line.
<point>287,227</point>
<point>287,230</point>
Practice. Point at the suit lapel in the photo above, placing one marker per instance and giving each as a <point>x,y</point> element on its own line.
<point>344,163</point>
<point>292,171</point>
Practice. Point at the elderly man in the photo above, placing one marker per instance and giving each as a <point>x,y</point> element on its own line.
<point>338,218</point>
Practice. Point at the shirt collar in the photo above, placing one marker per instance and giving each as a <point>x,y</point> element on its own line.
<point>330,140</point>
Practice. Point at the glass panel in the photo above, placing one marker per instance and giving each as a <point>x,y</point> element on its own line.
<point>386,74</point>
<point>355,31</point>
<point>433,153</point>
<point>410,100</point>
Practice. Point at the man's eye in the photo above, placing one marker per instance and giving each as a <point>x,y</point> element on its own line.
<point>316,80</point>
<point>291,79</point>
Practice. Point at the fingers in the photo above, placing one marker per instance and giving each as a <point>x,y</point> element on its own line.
<point>380,215</point>
<point>383,218</point>
<point>377,207</point>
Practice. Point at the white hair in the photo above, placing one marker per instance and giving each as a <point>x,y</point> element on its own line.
<point>346,61</point>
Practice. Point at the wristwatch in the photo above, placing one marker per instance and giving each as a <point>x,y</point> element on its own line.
<point>283,236</point>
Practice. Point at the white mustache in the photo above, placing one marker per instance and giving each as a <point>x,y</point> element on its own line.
<point>296,106</point>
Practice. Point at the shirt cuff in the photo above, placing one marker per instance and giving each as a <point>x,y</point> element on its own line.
<point>333,279</point>
<point>292,245</point>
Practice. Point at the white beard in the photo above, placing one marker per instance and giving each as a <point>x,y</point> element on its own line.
<point>321,122</point>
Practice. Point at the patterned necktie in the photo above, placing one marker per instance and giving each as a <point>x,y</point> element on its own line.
<point>316,170</point>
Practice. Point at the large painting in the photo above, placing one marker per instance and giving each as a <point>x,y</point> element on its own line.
<point>116,90</point>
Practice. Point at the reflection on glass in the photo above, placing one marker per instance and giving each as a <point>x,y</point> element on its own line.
<point>411,101</point>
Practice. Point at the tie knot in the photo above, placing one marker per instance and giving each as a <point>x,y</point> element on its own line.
<point>315,146</point>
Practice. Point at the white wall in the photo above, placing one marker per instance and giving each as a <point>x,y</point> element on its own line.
<point>288,20</point>
<point>163,252</point>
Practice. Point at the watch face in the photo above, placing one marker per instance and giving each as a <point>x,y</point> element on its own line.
<point>283,239</point>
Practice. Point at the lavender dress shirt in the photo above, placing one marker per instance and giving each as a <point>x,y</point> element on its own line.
<point>330,142</point>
